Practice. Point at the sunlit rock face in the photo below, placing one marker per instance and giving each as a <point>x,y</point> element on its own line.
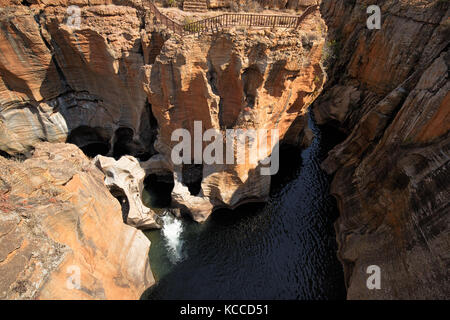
<point>115,85</point>
<point>234,80</point>
<point>56,80</point>
<point>125,178</point>
<point>62,234</point>
<point>389,93</point>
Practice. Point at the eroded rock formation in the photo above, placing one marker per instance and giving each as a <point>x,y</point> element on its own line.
<point>118,83</point>
<point>125,180</point>
<point>84,85</point>
<point>389,92</point>
<point>258,79</point>
<point>57,222</point>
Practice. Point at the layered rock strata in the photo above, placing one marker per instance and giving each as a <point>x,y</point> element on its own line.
<point>62,234</point>
<point>389,93</point>
<point>258,79</point>
<point>117,84</point>
<point>125,180</point>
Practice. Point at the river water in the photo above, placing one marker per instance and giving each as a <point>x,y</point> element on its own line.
<point>284,249</point>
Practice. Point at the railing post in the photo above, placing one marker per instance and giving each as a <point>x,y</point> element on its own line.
<point>225,20</point>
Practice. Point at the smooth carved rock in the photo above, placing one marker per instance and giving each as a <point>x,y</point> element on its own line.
<point>57,220</point>
<point>55,79</point>
<point>199,207</point>
<point>93,86</point>
<point>389,91</point>
<point>125,178</point>
<point>233,80</point>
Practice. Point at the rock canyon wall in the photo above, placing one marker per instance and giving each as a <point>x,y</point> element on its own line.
<point>61,232</point>
<point>254,80</point>
<point>120,85</point>
<point>389,93</point>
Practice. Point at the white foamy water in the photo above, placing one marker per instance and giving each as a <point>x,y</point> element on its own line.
<point>171,231</point>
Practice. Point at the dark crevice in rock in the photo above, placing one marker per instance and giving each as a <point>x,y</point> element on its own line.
<point>333,133</point>
<point>5,154</point>
<point>123,143</point>
<point>148,133</point>
<point>92,141</point>
<point>211,75</point>
<point>159,188</point>
<point>252,79</point>
<point>120,195</point>
<point>192,177</point>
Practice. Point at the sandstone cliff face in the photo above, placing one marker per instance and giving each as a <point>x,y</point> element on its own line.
<point>258,79</point>
<point>102,86</point>
<point>59,221</point>
<point>118,83</point>
<point>389,92</point>
<point>59,82</point>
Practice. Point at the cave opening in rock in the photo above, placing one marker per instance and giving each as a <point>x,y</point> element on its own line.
<point>123,144</point>
<point>192,177</point>
<point>147,133</point>
<point>158,190</point>
<point>252,80</point>
<point>120,195</point>
<point>92,141</point>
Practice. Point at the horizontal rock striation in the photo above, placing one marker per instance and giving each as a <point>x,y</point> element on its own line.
<point>259,79</point>
<point>83,85</point>
<point>62,234</point>
<point>389,93</point>
<point>120,85</point>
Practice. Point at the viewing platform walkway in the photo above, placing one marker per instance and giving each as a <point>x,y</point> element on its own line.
<point>217,23</point>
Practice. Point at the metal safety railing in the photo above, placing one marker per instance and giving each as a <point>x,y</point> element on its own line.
<point>215,24</point>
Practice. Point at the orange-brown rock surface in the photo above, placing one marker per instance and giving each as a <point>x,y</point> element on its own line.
<point>118,83</point>
<point>58,220</point>
<point>259,79</point>
<point>59,82</point>
<point>389,93</point>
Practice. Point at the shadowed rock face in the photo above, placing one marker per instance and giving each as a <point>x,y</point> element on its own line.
<point>55,79</point>
<point>118,84</point>
<point>389,92</point>
<point>255,80</point>
<point>57,221</point>
<point>125,178</point>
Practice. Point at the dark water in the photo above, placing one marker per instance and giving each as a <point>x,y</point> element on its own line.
<point>282,250</point>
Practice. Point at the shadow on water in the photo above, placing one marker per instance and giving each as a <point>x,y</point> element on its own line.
<point>285,249</point>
